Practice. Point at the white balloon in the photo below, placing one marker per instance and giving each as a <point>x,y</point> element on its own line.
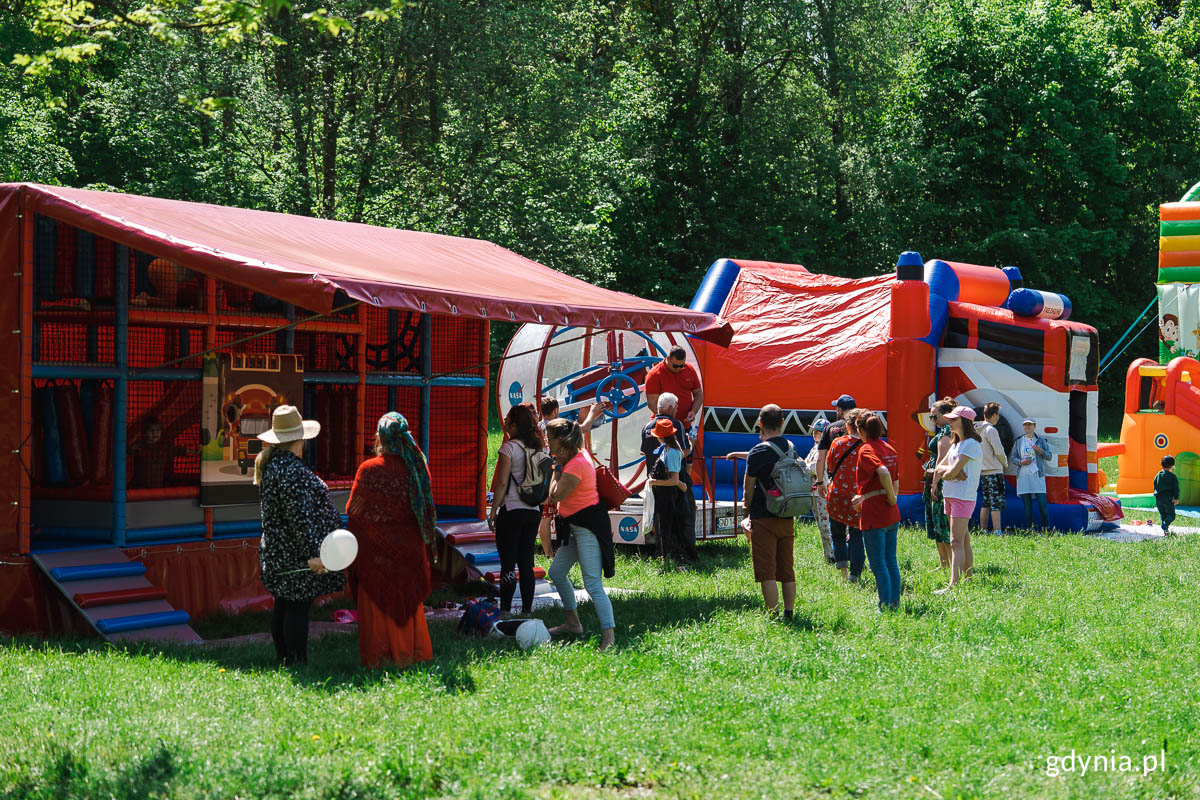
<point>338,550</point>
<point>532,633</point>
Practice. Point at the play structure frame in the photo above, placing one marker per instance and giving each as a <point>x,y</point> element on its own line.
<point>285,327</point>
<point>381,319</point>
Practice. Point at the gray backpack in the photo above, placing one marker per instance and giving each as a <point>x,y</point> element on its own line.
<point>792,496</point>
<point>534,489</point>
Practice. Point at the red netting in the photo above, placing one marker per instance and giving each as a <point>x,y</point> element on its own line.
<point>74,343</point>
<point>382,399</point>
<point>345,315</point>
<point>152,346</point>
<point>336,452</point>
<point>393,341</point>
<point>163,434</point>
<point>455,456</point>
<point>261,344</point>
<point>459,346</point>
<point>327,352</point>
<point>73,269</point>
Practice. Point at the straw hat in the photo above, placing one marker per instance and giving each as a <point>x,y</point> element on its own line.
<point>288,426</point>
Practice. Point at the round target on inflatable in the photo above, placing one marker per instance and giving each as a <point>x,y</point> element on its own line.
<point>578,366</point>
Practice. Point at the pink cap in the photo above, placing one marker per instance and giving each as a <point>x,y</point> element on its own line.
<point>962,411</point>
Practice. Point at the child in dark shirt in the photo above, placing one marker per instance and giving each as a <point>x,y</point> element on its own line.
<point>152,456</point>
<point>669,495</point>
<point>1166,493</point>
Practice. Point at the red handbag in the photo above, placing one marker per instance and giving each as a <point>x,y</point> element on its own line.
<point>612,492</point>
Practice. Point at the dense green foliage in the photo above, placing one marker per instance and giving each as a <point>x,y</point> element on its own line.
<point>1058,644</point>
<point>632,142</point>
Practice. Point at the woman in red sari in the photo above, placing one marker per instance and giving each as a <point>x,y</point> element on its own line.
<point>391,512</point>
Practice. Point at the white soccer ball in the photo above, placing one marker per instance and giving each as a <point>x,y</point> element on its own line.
<point>532,633</point>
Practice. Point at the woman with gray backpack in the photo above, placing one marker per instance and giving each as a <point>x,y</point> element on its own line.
<point>520,484</point>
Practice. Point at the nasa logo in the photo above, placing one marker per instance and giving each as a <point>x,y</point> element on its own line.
<point>1161,441</point>
<point>515,393</point>
<point>628,529</point>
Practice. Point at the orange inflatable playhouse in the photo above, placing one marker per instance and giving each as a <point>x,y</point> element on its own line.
<point>1162,399</point>
<point>1162,417</point>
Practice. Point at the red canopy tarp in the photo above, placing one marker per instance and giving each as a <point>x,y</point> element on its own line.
<point>801,339</point>
<point>305,261</point>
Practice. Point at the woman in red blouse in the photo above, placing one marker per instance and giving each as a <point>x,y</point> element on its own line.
<point>877,473</point>
<point>841,468</point>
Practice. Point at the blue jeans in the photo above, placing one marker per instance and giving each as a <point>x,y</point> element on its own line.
<point>1028,499</point>
<point>584,549</point>
<point>847,553</point>
<point>881,550</point>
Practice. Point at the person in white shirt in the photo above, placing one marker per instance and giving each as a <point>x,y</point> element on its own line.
<point>959,473</point>
<point>514,521</point>
<point>1031,453</point>
<point>991,475</point>
<point>820,513</point>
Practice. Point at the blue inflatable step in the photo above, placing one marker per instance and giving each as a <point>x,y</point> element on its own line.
<point>483,558</point>
<point>92,571</point>
<point>137,622</point>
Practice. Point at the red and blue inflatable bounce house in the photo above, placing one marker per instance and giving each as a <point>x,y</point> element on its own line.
<point>895,343</point>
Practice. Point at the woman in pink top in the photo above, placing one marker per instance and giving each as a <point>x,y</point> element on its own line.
<point>574,490</point>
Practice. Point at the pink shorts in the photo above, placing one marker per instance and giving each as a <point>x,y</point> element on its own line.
<point>959,508</point>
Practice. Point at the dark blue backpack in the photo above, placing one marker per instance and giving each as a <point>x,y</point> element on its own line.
<point>479,615</point>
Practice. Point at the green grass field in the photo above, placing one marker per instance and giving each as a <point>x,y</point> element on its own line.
<point>1058,645</point>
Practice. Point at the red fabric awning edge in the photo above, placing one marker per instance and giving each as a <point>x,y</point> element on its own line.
<point>317,291</point>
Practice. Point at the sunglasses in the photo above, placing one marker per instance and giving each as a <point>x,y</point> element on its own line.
<point>676,366</point>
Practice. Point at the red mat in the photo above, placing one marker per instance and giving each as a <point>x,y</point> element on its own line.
<point>494,577</point>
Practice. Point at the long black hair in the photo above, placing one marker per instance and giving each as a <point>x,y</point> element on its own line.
<point>524,419</point>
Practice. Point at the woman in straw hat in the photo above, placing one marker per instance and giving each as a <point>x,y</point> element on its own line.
<point>391,512</point>
<point>297,514</point>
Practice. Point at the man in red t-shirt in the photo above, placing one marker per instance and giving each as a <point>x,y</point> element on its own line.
<point>680,378</point>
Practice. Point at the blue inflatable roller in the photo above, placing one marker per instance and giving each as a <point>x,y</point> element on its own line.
<point>1035,303</point>
<point>482,558</point>
<point>136,622</point>
<point>90,571</point>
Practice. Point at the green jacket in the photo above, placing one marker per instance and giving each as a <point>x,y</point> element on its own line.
<point>1166,487</point>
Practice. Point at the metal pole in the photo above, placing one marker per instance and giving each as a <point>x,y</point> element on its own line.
<point>427,374</point>
<point>29,338</point>
<point>120,392</point>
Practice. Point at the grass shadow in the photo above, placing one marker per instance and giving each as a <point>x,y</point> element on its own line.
<point>334,659</point>
<point>916,607</point>
<point>69,774</point>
